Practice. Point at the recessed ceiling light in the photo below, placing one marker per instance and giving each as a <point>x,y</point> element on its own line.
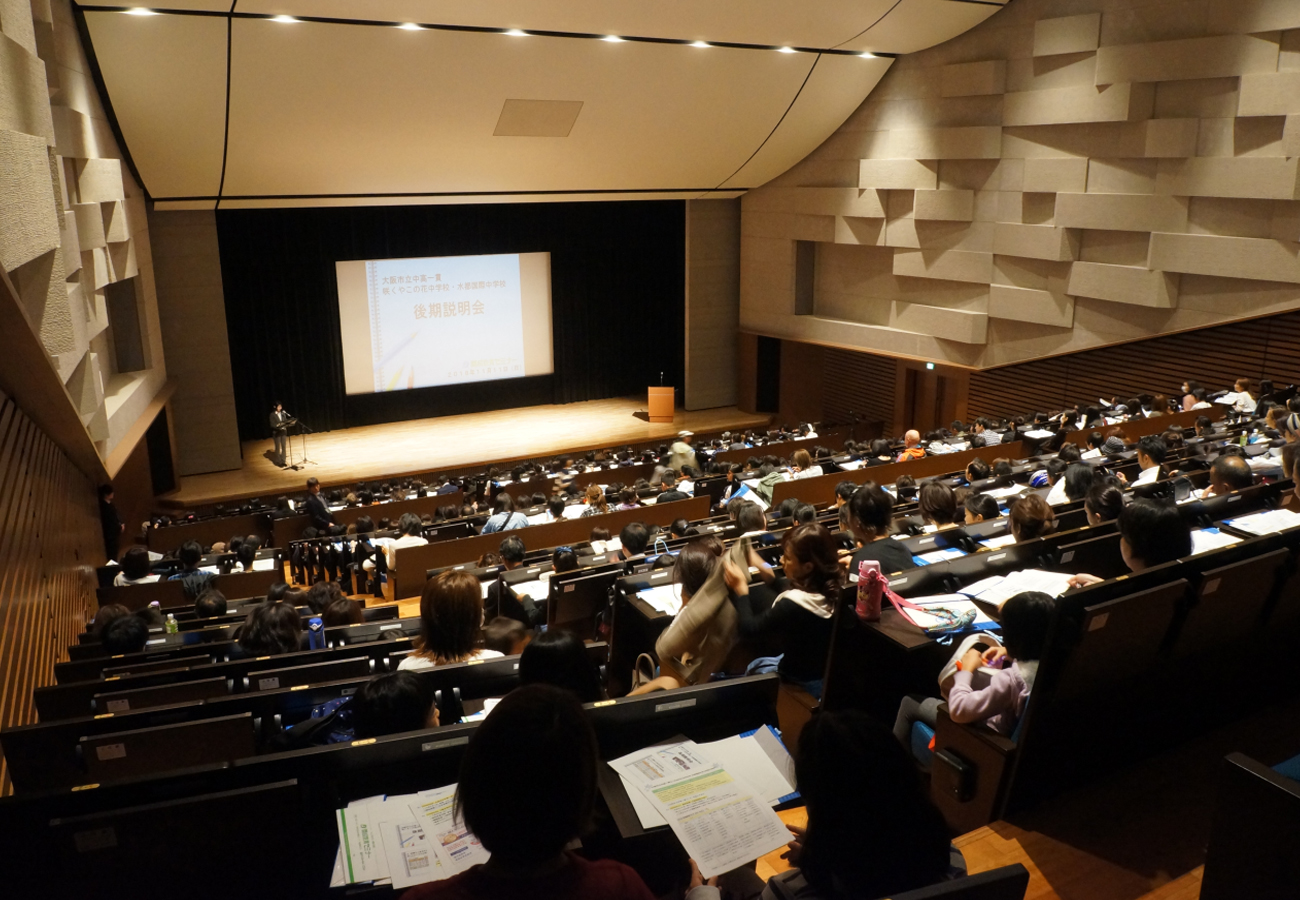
<point>410,26</point>
<point>700,44</point>
<point>140,11</point>
<point>515,32</point>
<point>284,19</point>
<point>612,38</point>
<point>867,55</point>
<point>784,49</point>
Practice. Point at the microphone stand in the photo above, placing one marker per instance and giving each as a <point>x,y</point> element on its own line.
<point>304,430</point>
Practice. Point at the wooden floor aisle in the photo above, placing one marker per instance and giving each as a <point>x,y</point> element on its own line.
<point>421,445</point>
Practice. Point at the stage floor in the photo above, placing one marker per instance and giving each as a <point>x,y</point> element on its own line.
<point>421,445</point>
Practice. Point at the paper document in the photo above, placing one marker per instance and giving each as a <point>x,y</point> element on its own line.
<point>666,598</point>
<point>721,820</point>
<point>264,565</point>
<point>1268,522</point>
<point>1205,539</point>
<point>999,493</point>
<point>1039,434</point>
<point>1001,588</point>
<point>997,543</point>
<point>1090,454</point>
<point>360,845</point>
<point>851,465</point>
<point>935,556</point>
<point>456,847</point>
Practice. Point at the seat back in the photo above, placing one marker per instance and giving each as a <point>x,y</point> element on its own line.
<point>1229,603</point>
<point>152,850</point>
<point>574,603</point>
<point>315,673</point>
<point>158,695</point>
<point>1119,639</point>
<point>1252,835</point>
<point>1005,883</point>
<point>1098,556</point>
<point>129,754</point>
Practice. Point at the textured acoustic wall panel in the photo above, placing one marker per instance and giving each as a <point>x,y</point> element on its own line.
<point>1130,169</point>
<point>858,384</point>
<point>72,218</point>
<point>49,542</point>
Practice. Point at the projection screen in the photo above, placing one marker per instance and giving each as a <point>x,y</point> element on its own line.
<point>413,323</point>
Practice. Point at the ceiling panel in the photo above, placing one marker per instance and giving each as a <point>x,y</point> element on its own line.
<point>318,108</point>
<point>833,91</point>
<point>916,24</point>
<point>770,22</point>
<point>166,77</point>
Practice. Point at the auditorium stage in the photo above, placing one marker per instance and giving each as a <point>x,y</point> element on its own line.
<point>421,445</point>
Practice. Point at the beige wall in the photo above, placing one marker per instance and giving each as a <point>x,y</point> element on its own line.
<point>712,301</point>
<point>1068,174</point>
<point>192,308</point>
<point>72,219</point>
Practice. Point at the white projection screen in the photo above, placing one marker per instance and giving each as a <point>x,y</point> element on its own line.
<point>414,323</point>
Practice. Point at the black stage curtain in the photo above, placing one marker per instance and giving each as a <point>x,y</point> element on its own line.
<point>617,302</point>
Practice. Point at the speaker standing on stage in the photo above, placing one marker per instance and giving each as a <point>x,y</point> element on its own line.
<point>280,431</point>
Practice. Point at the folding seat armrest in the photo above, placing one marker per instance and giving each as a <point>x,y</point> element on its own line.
<point>969,773</point>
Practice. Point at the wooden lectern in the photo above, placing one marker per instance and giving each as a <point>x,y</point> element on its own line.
<point>661,403</point>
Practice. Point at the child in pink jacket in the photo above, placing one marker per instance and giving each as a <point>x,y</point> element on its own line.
<point>1025,619</point>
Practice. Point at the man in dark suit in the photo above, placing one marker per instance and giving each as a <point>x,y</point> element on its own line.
<point>280,432</point>
<point>321,517</point>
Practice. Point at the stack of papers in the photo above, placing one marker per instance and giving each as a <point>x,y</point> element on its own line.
<point>1039,434</point>
<point>1001,588</point>
<point>666,598</point>
<point>999,493</point>
<point>1268,522</point>
<point>404,840</point>
<point>1206,539</point>
<point>717,797</point>
<point>851,465</point>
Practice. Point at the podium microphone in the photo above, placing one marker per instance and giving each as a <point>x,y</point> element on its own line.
<point>661,379</point>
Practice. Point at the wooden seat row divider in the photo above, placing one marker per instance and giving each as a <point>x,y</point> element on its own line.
<point>288,529</point>
<point>236,585</point>
<point>209,531</point>
<point>413,563</point>
<point>821,489</point>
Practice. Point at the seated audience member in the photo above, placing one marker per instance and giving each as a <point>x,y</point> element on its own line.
<point>503,600</point>
<point>634,538</point>
<point>193,581</point>
<point>871,520</point>
<point>1072,486</point>
<point>107,615</point>
<point>1003,468</point>
<point>977,470</point>
<point>210,605</point>
<point>911,447</point>
<point>802,465</point>
<point>525,823</point>
<point>392,703</point>
<point>152,616</point>
<point>981,508</point>
<point>679,528</point>
<point>409,534</point>
<point>451,615</point>
<point>322,594</point>
<point>504,517</point>
<point>271,629</point>
<point>699,638</point>
<point>1228,474</point>
<point>1151,533</point>
<point>1241,398</point>
<point>365,525</point>
<point>881,454</point>
<point>1151,452</point>
<point>905,487</point>
<point>750,519</point>
<point>135,568</point>
<point>597,505</point>
<point>1105,501</point>
<point>1204,426</point>
<point>803,513</point>
<point>1070,453</point>
<point>1026,619</point>
<point>506,636</point>
<point>598,538</point>
<point>668,488</point>
<point>564,559</point>
<point>984,430</point>
<point>246,556</point>
<point>897,842</point>
<point>627,499</point>
<point>559,658</point>
<point>1031,518</point>
<point>801,606</point>
<point>342,611</point>
<point>555,509</point>
<point>127,634</point>
<point>938,506</point>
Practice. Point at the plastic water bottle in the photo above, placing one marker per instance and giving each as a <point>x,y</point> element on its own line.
<point>171,625</point>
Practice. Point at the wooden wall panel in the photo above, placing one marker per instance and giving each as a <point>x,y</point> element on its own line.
<point>1267,347</point>
<point>49,542</point>
<point>859,383</point>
